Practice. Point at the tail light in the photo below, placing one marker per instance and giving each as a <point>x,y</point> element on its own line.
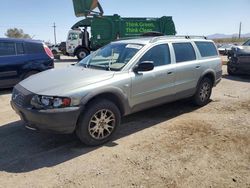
<point>48,51</point>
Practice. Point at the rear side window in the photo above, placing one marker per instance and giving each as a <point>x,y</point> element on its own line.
<point>207,49</point>
<point>159,55</point>
<point>7,48</point>
<point>184,52</point>
<point>19,48</point>
<point>34,48</point>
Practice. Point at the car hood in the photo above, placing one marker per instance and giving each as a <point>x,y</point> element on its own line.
<point>56,82</point>
<point>241,50</point>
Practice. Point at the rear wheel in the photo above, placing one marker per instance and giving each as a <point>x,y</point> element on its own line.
<point>98,123</point>
<point>81,53</point>
<point>203,92</point>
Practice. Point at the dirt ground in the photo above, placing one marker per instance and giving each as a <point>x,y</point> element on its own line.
<point>174,145</point>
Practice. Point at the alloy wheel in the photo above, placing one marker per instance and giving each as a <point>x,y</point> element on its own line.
<point>205,91</point>
<point>101,124</point>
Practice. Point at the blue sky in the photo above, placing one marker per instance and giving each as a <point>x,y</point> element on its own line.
<point>193,17</point>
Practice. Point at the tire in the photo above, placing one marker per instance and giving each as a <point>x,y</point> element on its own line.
<point>92,129</point>
<point>54,52</point>
<point>81,54</point>
<point>28,74</point>
<point>231,70</point>
<point>203,93</point>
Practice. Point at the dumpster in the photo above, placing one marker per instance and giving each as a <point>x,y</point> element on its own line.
<point>84,7</point>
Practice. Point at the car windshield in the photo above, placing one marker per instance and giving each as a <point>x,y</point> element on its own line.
<point>247,43</point>
<point>112,57</point>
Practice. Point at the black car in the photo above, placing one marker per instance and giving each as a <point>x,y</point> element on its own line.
<point>225,49</point>
<point>21,58</point>
<point>239,59</point>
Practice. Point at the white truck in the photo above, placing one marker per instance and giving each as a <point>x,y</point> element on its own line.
<point>77,43</point>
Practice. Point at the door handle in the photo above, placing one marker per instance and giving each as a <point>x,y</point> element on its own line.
<point>198,66</point>
<point>170,73</point>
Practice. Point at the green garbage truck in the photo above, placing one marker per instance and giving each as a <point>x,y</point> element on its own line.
<point>97,30</point>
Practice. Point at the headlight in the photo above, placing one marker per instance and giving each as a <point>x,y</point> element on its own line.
<point>41,102</point>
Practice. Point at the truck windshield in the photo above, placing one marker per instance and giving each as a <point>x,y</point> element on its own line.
<point>112,57</point>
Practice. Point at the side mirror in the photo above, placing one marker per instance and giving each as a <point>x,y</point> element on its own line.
<point>144,66</point>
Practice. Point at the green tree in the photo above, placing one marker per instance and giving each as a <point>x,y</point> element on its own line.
<point>16,33</point>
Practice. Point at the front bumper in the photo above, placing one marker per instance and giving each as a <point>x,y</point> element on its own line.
<point>53,120</point>
<point>241,67</point>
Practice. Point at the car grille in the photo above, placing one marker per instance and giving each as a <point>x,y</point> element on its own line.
<point>18,97</point>
<point>21,96</point>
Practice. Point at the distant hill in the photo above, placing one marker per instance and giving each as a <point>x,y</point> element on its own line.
<point>223,36</point>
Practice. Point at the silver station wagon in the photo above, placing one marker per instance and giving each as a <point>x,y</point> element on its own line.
<point>121,78</point>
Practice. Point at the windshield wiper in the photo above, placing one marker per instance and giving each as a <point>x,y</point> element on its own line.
<point>97,67</point>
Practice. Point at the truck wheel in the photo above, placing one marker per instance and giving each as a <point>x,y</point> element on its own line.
<point>203,92</point>
<point>98,123</point>
<point>54,52</point>
<point>81,53</point>
<point>231,70</point>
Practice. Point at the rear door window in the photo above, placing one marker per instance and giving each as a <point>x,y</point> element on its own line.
<point>7,48</point>
<point>184,52</point>
<point>20,48</point>
<point>160,55</point>
<point>207,49</point>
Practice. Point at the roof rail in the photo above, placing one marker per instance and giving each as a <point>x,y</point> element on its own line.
<point>155,39</point>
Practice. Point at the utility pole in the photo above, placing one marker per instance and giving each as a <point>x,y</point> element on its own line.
<point>54,26</point>
<point>240,31</point>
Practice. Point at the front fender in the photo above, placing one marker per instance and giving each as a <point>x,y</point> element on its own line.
<point>112,91</point>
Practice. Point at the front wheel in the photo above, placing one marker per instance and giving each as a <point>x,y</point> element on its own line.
<point>81,54</point>
<point>203,92</point>
<point>98,122</point>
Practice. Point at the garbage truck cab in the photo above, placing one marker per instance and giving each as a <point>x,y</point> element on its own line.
<point>78,43</point>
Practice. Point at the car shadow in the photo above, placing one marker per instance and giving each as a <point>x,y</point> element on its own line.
<point>240,78</point>
<point>23,150</point>
<point>5,91</point>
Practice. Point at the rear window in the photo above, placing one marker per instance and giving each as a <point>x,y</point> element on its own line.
<point>207,49</point>
<point>184,52</point>
<point>34,48</point>
<point>7,48</point>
